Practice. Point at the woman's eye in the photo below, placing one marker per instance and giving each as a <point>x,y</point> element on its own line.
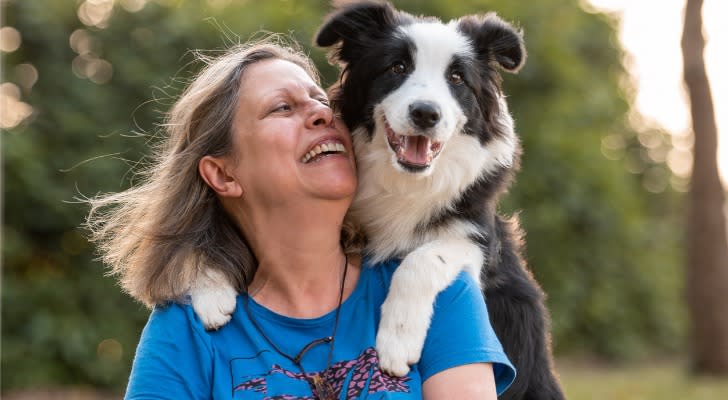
<point>455,77</point>
<point>325,102</point>
<point>281,107</point>
<point>398,68</point>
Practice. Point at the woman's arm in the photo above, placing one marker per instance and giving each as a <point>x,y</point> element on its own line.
<point>173,359</point>
<point>462,356</point>
<point>471,381</point>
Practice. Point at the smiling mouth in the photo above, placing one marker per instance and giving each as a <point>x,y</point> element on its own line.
<point>322,150</point>
<point>414,152</point>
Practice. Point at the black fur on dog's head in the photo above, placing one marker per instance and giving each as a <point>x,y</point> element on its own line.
<point>368,41</point>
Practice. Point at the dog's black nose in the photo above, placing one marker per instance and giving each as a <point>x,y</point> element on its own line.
<point>424,114</point>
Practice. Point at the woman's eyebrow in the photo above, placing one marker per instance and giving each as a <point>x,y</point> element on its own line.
<point>317,90</point>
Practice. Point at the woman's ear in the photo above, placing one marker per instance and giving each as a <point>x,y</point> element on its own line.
<point>213,171</point>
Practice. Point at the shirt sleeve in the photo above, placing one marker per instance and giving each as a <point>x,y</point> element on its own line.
<point>173,358</point>
<point>461,333</point>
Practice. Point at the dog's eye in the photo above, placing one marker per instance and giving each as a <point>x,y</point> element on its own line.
<point>455,77</point>
<point>398,68</point>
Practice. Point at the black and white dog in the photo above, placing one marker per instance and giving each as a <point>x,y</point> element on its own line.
<point>435,148</point>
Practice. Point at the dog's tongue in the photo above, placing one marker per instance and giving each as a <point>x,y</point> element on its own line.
<point>416,149</point>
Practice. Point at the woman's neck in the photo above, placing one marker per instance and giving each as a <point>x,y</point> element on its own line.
<point>300,261</point>
<point>302,287</point>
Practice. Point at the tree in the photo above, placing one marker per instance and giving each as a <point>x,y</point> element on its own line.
<point>707,245</point>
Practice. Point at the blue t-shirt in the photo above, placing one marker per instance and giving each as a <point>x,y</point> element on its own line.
<point>178,359</point>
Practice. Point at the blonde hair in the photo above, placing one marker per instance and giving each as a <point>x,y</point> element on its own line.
<point>157,235</point>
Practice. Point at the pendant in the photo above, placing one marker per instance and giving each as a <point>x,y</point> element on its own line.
<point>323,388</point>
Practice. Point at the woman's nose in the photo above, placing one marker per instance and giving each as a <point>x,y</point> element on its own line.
<point>321,115</point>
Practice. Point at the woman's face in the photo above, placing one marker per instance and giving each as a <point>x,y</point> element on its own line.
<point>286,142</point>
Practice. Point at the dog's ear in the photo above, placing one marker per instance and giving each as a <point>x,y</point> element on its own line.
<point>355,25</point>
<point>496,40</point>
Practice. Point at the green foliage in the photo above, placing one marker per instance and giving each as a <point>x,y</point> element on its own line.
<point>606,251</point>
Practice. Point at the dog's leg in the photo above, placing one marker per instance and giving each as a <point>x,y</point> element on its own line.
<point>407,310</point>
<point>213,298</point>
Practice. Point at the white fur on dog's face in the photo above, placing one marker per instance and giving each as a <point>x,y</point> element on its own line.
<point>392,201</point>
<point>391,205</point>
<point>435,46</point>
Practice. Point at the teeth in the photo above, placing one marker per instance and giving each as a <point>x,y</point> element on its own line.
<point>322,148</point>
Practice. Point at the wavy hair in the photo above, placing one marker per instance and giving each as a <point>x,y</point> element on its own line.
<point>158,235</point>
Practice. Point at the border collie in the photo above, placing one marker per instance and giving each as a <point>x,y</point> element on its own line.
<point>435,148</point>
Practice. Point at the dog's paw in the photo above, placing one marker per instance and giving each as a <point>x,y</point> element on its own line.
<point>401,334</point>
<point>213,299</point>
<point>394,358</point>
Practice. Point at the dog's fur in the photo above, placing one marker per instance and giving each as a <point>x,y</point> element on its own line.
<point>435,149</point>
<point>416,76</point>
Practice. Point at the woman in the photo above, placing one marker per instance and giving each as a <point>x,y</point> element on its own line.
<point>253,182</point>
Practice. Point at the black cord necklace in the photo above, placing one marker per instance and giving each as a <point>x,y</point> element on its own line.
<point>322,388</point>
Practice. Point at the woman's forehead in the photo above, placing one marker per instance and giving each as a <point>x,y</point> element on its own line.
<point>268,75</point>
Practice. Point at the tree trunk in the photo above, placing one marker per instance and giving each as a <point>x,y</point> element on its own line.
<point>707,246</point>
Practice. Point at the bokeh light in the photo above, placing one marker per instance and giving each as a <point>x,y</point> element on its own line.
<point>26,75</point>
<point>109,350</point>
<point>133,5</point>
<point>82,42</point>
<point>12,110</point>
<point>88,64</point>
<point>96,12</point>
<point>9,39</point>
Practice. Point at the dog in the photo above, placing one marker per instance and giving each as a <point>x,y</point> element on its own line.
<point>435,147</point>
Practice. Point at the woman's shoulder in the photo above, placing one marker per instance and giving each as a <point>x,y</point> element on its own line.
<point>382,269</point>
<point>177,310</point>
<point>174,318</point>
<point>172,346</point>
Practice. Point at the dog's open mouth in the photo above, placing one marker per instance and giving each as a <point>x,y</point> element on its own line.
<point>413,152</point>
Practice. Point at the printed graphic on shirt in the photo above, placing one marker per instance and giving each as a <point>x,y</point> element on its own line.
<point>357,378</point>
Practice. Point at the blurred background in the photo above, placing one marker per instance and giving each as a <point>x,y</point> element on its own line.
<point>619,191</point>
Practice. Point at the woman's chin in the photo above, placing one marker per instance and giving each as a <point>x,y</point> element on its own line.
<point>335,188</point>
<point>332,180</point>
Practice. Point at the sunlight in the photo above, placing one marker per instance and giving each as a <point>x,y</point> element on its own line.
<point>651,36</point>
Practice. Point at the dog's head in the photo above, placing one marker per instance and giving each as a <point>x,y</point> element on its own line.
<point>415,83</point>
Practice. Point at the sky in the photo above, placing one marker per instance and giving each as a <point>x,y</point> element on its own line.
<point>650,32</point>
